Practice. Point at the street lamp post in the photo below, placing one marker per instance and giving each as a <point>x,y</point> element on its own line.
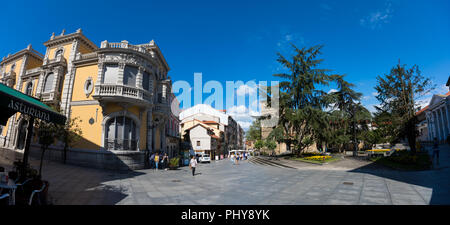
<point>355,147</point>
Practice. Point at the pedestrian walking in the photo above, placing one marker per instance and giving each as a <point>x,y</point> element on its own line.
<point>165,161</point>
<point>157,161</point>
<point>192,165</point>
<point>237,159</point>
<point>152,161</point>
<point>435,151</point>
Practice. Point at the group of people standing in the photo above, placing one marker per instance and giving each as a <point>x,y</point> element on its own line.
<point>235,158</point>
<point>158,161</point>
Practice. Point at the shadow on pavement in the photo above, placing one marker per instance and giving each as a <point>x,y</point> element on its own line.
<point>75,185</point>
<point>437,179</point>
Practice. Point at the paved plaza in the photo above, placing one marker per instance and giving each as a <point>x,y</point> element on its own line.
<point>348,181</point>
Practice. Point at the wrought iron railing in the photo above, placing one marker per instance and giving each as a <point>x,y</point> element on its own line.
<point>121,144</point>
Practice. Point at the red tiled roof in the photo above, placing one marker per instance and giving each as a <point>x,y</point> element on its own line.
<point>426,107</point>
<point>209,121</point>
<point>421,111</point>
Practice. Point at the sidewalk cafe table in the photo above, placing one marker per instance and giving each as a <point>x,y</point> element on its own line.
<point>12,191</point>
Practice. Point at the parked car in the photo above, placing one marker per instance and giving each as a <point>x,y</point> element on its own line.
<point>205,158</point>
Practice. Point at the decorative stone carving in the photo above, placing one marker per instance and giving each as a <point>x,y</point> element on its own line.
<point>88,86</point>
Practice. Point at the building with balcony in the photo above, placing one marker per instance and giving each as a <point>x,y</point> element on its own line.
<point>121,94</point>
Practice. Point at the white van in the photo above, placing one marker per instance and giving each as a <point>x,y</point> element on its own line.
<point>205,158</point>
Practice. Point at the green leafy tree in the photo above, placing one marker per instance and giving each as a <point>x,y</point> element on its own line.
<point>259,144</point>
<point>47,133</point>
<point>270,145</point>
<point>254,132</point>
<point>70,134</point>
<point>301,102</point>
<point>397,94</point>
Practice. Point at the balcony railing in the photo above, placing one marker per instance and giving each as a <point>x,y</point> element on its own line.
<point>60,59</point>
<point>126,45</point>
<point>91,55</point>
<point>49,96</point>
<point>10,74</point>
<point>115,90</point>
<point>121,144</point>
<point>34,70</point>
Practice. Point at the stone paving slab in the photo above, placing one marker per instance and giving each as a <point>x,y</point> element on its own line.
<point>223,183</point>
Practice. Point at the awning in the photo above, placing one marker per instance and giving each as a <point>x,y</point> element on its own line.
<point>13,101</point>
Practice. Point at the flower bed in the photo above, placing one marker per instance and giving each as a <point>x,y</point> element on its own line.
<point>315,158</point>
<point>318,157</point>
<point>379,150</point>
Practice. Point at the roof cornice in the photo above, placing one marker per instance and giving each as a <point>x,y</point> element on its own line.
<point>29,50</point>
<point>56,40</point>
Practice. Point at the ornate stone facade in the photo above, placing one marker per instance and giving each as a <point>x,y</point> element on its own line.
<point>121,94</point>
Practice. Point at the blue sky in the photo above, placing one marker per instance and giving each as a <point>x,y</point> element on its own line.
<point>238,40</point>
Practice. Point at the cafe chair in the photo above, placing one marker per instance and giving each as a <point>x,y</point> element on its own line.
<point>34,192</point>
<point>3,197</point>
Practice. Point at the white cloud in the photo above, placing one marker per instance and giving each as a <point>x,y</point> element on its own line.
<point>423,102</point>
<point>243,89</point>
<point>374,93</point>
<point>377,19</point>
<point>371,107</point>
<point>245,125</point>
<point>365,97</point>
<point>332,91</point>
<point>243,115</point>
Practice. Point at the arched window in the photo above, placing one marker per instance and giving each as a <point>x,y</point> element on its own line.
<point>29,89</point>
<point>48,84</point>
<point>58,53</point>
<point>13,67</point>
<point>120,134</point>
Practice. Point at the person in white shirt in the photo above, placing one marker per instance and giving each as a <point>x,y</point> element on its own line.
<point>192,165</point>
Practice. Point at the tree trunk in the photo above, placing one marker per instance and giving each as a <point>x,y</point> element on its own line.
<point>42,160</point>
<point>411,135</point>
<point>65,149</point>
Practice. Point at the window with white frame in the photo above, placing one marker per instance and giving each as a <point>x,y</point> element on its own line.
<point>129,76</point>
<point>111,74</point>
<point>58,53</point>
<point>48,84</point>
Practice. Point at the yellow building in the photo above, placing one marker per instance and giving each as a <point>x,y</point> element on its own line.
<point>119,92</point>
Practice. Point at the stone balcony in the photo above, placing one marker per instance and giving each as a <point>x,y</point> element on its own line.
<point>50,97</point>
<point>9,78</point>
<point>10,74</point>
<point>60,60</point>
<point>122,93</point>
<point>33,71</point>
<point>145,48</point>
